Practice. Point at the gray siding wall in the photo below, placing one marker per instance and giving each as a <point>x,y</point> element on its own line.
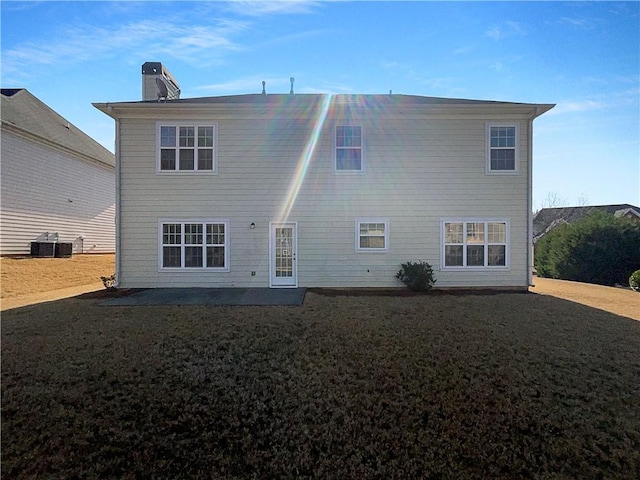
<point>37,184</point>
<point>418,171</point>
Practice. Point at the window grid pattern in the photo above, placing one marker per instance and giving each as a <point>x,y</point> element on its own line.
<point>194,245</point>
<point>349,148</point>
<point>187,148</point>
<point>372,235</point>
<point>502,148</point>
<point>284,252</point>
<point>475,244</point>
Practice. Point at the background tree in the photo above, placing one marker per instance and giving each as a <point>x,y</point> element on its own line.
<point>599,249</point>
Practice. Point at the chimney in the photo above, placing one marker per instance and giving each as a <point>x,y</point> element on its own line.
<point>153,70</point>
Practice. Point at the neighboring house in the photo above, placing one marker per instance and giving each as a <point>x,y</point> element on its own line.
<point>314,190</point>
<point>546,219</point>
<point>57,182</point>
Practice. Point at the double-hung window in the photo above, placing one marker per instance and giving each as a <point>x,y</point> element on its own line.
<point>502,148</point>
<point>372,235</point>
<point>349,151</point>
<point>186,147</point>
<point>194,244</point>
<point>475,243</point>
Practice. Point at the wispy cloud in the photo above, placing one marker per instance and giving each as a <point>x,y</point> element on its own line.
<point>251,84</point>
<point>82,43</point>
<point>273,84</point>
<point>623,97</point>
<point>578,23</point>
<point>506,30</point>
<point>255,8</point>
<point>464,49</point>
<point>577,106</point>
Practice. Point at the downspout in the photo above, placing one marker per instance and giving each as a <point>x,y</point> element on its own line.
<point>530,259</point>
<point>118,202</point>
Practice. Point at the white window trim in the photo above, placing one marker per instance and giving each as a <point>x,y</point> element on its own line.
<point>386,234</point>
<point>187,123</point>
<point>182,221</point>
<point>484,220</point>
<point>487,136</point>
<point>335,148</point>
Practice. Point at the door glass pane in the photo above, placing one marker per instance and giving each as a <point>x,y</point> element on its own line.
<point>284,252</point>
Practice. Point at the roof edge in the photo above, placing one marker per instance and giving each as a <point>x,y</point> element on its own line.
<point>29,135</point>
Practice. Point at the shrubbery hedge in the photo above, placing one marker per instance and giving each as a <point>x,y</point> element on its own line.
<point>599,249</point>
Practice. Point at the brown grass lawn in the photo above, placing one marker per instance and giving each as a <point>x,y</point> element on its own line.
<point>23,276</point>
<point>503,386</point>
<point>436,386</point>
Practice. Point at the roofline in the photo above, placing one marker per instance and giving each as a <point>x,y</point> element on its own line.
<point>622,205</point>
<point>407,102</point>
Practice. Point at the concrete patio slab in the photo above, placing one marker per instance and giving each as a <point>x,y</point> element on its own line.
<point>212,296</point>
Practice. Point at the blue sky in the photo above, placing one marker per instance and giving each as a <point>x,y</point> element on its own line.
<point>582,56</point>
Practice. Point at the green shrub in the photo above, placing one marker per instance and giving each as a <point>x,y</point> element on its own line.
<point>634,281</point>
<point>416,276</point>
<point>599,249</point>
<point>109,282</point>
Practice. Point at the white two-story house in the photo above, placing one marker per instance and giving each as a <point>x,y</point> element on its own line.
<point>56,182</point>
<point>287,190</point>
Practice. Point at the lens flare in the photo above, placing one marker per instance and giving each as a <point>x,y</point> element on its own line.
<point>304,161</point>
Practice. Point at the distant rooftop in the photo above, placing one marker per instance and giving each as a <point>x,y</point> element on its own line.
<point>548,218</point>
<point>25,112</point>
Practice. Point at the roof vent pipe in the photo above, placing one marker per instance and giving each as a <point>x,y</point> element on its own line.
<point>292,80</point>
<point>264,90</point>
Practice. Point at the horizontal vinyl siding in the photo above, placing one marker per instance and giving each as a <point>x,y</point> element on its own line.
<point>417,172</point>
<point>37,184</point>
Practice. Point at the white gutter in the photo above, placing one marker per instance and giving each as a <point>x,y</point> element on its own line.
<point>530,265</point>
<point>118,202</point>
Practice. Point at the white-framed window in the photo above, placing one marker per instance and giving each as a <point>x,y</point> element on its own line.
<point>503,142</point>
<point>193,244</point>
<point>349,149</point>
<point>475,243</point>
<point>372,235</point>
<point>186,147</point>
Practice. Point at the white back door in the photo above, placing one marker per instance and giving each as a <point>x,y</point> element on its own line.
<point>282,259</point>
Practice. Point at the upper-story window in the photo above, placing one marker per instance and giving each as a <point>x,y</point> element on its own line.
<point>349,152</point>
<point>186,147</point>
<point>502,148</point>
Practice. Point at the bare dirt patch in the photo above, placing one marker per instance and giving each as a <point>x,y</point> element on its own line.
<point>30,276</point>
<point>621,301</point>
